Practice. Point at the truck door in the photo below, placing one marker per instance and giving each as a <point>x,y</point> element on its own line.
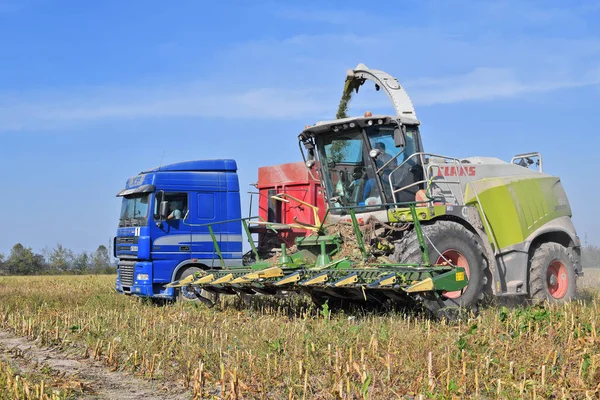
<point>204,206</point>
<point>174,237</point>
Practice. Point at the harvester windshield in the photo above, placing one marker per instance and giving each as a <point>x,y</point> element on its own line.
<point>358,162</point>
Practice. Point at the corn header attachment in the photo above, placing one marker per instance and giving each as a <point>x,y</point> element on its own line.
<point>328,264</point>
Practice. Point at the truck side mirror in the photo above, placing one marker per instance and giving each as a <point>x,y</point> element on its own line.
<point>399,140</point>
<point>164,209</point>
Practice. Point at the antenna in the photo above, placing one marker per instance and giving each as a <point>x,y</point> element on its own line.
<point>161,160</point>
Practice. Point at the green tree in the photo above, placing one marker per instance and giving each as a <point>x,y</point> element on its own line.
<point>3,268</point>
<point>100,259</point>
<point>590,256</point>
<point>60,259</point>
<point>81,263</point>
<point>23,261</point>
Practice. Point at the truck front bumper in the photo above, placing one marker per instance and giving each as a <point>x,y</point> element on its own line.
<point>138,281</point>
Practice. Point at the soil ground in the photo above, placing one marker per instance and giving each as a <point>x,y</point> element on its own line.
<point>90,379</point>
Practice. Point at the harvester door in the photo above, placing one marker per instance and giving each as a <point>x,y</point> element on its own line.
<point>398,167</point>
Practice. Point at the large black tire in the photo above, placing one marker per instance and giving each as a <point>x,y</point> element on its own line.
<point>552,275</point>
<point>462,248</point>
<point>185,295</point>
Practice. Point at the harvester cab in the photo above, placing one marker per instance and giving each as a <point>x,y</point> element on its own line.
<point>365,161</point>
<point>374,161</point>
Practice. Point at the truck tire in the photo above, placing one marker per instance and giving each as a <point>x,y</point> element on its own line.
<point>451,242</point>
<point>183,294</point>
<point>552,274</point>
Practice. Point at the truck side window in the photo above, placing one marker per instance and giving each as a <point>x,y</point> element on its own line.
<point>178,204</point>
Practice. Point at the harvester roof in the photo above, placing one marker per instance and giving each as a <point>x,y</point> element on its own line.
<point>345,123</point>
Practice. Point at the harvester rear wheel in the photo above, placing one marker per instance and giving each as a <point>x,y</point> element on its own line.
<point>451,243</point>
<point>185,294</point>
<point>552,274</point>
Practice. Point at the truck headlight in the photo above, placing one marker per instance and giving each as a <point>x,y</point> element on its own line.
<point>142,277</point>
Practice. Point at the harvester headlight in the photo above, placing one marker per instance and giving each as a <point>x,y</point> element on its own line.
<point>380,121</point>
<point>142,277</point>
<point>352,124</point>
<point>335,128</point>
<point>370,122</point>
<point>345,126</point>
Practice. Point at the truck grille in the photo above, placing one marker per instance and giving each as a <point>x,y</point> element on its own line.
<point>126,271</point>
<point>127,239</point>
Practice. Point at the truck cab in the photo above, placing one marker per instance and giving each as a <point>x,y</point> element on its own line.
<point>163,233</point>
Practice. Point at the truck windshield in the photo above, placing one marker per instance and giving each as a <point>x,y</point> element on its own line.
<point>134,210</point>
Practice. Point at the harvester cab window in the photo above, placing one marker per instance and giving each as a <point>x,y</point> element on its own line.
<point>178,204</point>
<point>395,164</point>
<point>351,179</point>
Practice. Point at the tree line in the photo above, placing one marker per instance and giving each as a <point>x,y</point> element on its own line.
<point>59,260</point>
<point>590,256</point>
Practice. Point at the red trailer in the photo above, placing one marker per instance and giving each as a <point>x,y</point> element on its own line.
<point>289,182</point>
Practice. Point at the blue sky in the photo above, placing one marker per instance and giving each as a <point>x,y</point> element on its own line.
<point>94,92</point>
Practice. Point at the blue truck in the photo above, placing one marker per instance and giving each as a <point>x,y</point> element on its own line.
<point>162,234</point>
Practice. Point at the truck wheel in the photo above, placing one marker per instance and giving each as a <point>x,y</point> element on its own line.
<point>552,274</point>
<point>456,245</point>
<point>185,294</point>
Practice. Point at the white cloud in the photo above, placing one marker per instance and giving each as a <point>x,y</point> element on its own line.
<point>88,105</point>
<point>488,84</point>
<point>301,76</point>
<point>76,106</point>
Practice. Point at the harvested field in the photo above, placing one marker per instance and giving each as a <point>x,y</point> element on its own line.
<point>274,348</point>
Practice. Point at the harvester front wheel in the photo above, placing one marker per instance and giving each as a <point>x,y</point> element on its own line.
<point>552,274</point>
<point>186,294</point>
<point>451,243</point>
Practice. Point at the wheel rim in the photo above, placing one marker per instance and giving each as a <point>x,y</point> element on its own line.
<point>457,259</point>
<point>557,279</point>
<point>188,292</point>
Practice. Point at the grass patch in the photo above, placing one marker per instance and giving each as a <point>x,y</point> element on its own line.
<point>274,348</point>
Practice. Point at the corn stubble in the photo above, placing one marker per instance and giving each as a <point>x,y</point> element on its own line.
<point>271,348</point>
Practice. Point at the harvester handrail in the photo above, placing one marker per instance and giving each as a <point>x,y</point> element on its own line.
<point>461,165</point>
<point>427,178</point>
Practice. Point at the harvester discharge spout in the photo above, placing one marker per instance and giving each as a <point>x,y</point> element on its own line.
<point>356,77</point>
